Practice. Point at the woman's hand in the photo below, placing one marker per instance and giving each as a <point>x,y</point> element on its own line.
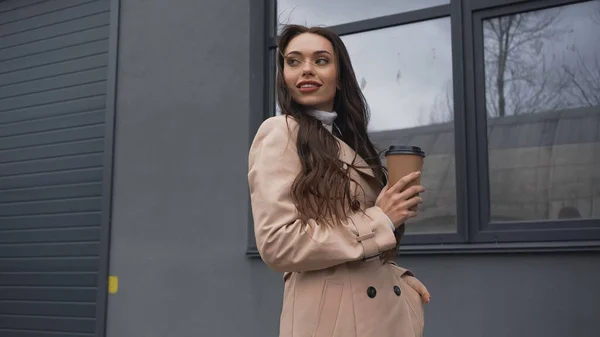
<point>400,205</point>
<point>419,287</point>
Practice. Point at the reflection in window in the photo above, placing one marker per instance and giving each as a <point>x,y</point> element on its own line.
<point>332,12</point>
<point>542,80</point>
<point>405,73</point>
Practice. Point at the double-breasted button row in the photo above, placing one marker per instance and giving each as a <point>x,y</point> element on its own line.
<point>372,292</point>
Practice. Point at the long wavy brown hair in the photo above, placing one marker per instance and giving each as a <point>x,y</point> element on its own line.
<point>322,190</point>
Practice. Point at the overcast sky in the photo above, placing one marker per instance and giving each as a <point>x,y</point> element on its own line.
<point>408,69</point>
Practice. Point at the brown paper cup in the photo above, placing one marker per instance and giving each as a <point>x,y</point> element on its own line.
<point>403,160</point>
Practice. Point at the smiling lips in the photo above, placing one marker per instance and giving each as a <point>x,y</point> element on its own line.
<point>308,86</point>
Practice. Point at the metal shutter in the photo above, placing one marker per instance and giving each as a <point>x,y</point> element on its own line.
<point>53,70</point>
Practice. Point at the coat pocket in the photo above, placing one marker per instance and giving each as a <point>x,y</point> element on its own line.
<point>413,300</point>
<point>329,308</point>
<point>415,306</point>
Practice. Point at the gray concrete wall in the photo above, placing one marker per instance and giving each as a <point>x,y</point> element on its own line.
<point>180,204</point>
<point>180,190</point>
<point>516,295</point>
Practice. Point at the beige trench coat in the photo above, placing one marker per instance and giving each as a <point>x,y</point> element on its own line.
<point>331,289</point>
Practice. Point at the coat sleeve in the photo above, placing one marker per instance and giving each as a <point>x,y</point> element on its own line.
<point>285,243</point>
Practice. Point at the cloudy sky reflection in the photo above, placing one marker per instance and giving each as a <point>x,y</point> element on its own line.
<point>407,70</point>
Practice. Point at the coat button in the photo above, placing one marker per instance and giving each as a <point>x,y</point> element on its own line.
<point>371,292</point>
<point>397,290</point>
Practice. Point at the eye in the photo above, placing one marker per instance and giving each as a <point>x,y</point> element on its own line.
<point>292,62</point>
<point>322,61</point>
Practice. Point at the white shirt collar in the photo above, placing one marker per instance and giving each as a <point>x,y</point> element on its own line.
<point>326,117</point>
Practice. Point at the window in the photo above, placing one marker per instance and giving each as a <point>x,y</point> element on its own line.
<point>537,107</point>
<point>411,103</point>
<point>504,97</point>
<point>542,94</point>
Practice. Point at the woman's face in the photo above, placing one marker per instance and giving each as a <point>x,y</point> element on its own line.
<point>310,71</point>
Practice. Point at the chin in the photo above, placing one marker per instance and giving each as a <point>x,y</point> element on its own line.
<point>313,104</point>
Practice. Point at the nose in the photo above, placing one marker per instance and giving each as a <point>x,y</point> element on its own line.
<point>307,69</point>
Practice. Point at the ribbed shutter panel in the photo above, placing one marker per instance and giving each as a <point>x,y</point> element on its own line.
<point>53,71</point>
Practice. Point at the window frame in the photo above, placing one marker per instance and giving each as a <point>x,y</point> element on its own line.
<point>514,231</point>
<point>475,233</point>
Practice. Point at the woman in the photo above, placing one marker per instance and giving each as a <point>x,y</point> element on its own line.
<point>321,212</point>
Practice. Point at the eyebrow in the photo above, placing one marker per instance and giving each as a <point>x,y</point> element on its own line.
<point>315,53</point>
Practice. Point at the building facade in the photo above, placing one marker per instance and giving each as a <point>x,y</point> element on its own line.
<point>125,127</point>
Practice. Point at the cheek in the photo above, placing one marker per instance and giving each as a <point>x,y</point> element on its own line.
<point>289,78</point>
<point>332,79</point>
